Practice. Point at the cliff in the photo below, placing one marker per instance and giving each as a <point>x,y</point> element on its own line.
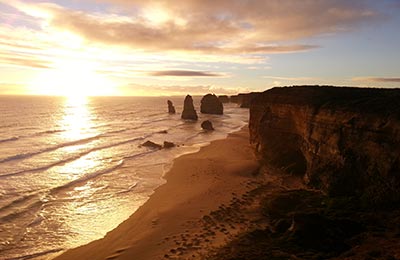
<point>244,99</point>
<point>344,141</point>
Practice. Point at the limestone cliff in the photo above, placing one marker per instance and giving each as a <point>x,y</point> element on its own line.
<point>244,99</point>
<point>344,141</point>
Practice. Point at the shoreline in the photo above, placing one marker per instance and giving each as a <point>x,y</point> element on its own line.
<point>176,207</point>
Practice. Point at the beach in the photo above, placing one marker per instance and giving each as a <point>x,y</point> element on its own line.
<point>171,223</point>
<point>79,169</point>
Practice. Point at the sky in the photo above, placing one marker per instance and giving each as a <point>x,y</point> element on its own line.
<point>161,47</point>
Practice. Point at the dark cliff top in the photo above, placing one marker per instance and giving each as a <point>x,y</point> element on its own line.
<point>367,100</point>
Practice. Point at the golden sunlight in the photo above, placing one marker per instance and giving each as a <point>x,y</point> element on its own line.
<point>77,118</point>
<point>72,78</point>
<point>156,15</point>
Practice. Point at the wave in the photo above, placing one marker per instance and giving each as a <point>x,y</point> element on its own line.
<point>62,145</point>
<point>21,200</point>
<point>15,138</point>
<point>75,142</point>
<point>8,126</point>
<point>39,219</point>
<point>83,153</point>
<point>9,139</point>
<point>152,121</point>
<point>49,149</point>
<point>140,154</point>
<point>20,206</point>
<point>190,137</point>
<point>35,255</point>
<point>87,177</point>
<point>73,158</point>
<point>29,206</point>
<point>49,132</point>
<point>95,174</point>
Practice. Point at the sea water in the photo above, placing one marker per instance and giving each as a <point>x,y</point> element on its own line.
<point>72,169</point>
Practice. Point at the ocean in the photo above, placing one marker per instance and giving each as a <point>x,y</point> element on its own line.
<point>72,169</point>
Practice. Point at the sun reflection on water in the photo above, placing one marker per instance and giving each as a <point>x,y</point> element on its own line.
<point>93,193</point>
<point>80,134</point>
<point>77,120</point>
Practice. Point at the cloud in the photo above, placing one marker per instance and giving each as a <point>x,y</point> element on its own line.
<point>271,49</point>
<point>11,88</point>
<point>291,78</point>
<point>16,50</point>
<point>24,62</point>
<point>377,79</point>
<point>176,90</point>
<point>22,59</point>
<point>185,73</point>
<point>209,27</point>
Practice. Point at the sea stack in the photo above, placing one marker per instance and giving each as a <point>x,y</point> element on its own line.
<point>207,125</point>
<point>188,109</point>
<point>210,104</point>
<point>171,108</point>
<point>223,98</point>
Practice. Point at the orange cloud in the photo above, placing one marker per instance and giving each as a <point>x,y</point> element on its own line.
<point>185,73</point>
<point>377,79</point>
<point>176,90</point>
<point>23,62</point>
<point>291,78</point>
<point>211,27</point>
<point>266,21</point>
<point>11,88</point>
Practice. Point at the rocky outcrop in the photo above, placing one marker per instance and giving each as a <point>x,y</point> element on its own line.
<point>244,99</point>
<point>188,109</point>
<point>168,144</point>
<point>344,141</point>
<point>154,145</point>
<point>171,108</point>
<point>223,98</point>
<point>207,125</point>
<point>234,99</point>
<point>210,104</point>
<point>151,144</point>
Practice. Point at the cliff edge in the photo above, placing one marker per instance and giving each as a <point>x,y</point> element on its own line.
<point>344,141</point>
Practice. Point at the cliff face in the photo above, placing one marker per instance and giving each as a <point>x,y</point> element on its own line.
<point>244,99</point>
<point>345,141</point>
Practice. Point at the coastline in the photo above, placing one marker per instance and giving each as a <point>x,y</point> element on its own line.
<point>196,185</point>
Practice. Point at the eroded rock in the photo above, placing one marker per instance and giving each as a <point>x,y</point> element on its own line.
<point>207,125</point>
<point>151,144</point>
<point>171,108</point>
<point>223,98</point>
<point>188,109</point>
<point>168,144</point>
<point>210,104</point>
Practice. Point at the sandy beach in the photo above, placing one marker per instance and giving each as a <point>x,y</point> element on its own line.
<point>175,222</point>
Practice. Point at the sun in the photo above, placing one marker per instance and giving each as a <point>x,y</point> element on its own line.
<point>72,78</point>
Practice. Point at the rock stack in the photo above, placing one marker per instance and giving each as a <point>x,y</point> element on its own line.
<point>207,125</point>
<point>210,104</point>
<point>223,98</point>
<point>171,108</point>
<point>188,109</point>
